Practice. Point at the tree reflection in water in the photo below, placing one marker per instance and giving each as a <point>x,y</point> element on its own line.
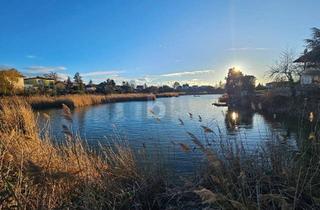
<point>236,118</point>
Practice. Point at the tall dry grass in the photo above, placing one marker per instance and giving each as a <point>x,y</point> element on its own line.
<point>37,174</point>
<point>80,100</point>
<point>167,94</point>
<point>274,176</point>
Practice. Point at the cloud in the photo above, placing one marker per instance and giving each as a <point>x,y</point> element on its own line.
<point>44,69</point>
<point>248,49</point>
<point>63,76</point>
<point>142,79</point>
<point>31,56</point>
<point>5,66</point>
<point>187,73</point>
<point>101,73</point>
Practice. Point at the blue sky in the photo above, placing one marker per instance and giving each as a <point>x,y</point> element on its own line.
<point>153,41</point>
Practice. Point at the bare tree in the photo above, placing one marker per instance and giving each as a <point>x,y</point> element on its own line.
<point>286,70</point>
<point>52,75</point>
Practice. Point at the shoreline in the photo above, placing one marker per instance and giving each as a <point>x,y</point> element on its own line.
<point>82,100</point>
<point>76,101</point>
<point>72,171</point>
<point>41,102</point>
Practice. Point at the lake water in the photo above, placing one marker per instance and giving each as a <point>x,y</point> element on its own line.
<point>159,126</point>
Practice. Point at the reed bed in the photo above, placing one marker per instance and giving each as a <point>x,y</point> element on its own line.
<point>276,175</point>
<point>168,94</point>
<point>37,174</point>
<point>80,100</point>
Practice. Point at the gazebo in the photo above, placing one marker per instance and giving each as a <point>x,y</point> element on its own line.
<point>311,67</point>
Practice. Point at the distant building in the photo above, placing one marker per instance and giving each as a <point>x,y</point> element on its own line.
<point>91,88</point>
<point>39,82</point>
<point>280,84</point>
<point>311,66</point>
<point>140,87</point>
<point>310,59</point>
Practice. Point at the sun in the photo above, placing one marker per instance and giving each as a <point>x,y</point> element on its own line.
<point>236,68</point>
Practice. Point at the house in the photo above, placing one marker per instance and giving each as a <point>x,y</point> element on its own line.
<point>279,88</point>
<point>311,68</point>
<point>275,85</point>
<point>310,59</point>
<point>39,83</point>
<point>91,88</point>
<point>310,77</point>
<point>140,87</point>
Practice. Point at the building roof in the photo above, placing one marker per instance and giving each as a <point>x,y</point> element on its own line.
<point>313,57</point>
<point>44,78</point>
<point>92,85</point>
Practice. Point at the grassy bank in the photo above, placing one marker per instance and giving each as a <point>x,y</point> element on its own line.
<point>73,101</point>
<point>169,94</point>
<point>296,107</point>
<point>37,174</point>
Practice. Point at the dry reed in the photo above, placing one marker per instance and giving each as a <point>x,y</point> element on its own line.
<point>77,100</point>
<point>168,94</point>
<point>37,174</point>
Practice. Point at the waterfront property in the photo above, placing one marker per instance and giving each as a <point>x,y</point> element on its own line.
<point>91,88</point>
<point>39,83</point>
<point>311,67</point>
<point>310,77</point>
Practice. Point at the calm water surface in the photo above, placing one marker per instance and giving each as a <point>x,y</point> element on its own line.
<point>155,125</point>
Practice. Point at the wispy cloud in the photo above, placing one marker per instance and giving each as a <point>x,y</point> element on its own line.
<point>31,56</point>
<point>63,76</point>
<point>187,73</point>
<point>248,49</point>
<point>5,66</point>
<point>44,69</point>
<point>101,73</point>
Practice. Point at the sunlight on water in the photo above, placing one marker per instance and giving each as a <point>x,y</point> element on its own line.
<point>234,116</point>
<point>161,124</point>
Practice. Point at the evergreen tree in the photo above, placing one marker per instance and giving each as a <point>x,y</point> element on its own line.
<point>69,85</point>
<point>79,85</point>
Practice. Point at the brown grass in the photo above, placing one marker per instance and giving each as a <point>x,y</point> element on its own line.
<point>168,94</point>
<point>36,174</point>
<point>274,177</point>
<point>72,101</point>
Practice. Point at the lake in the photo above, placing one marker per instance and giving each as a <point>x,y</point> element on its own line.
<point>159,126</point>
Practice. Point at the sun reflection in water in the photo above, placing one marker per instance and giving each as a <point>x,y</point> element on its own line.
<point>234,116</point>
<point>311,116</point>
